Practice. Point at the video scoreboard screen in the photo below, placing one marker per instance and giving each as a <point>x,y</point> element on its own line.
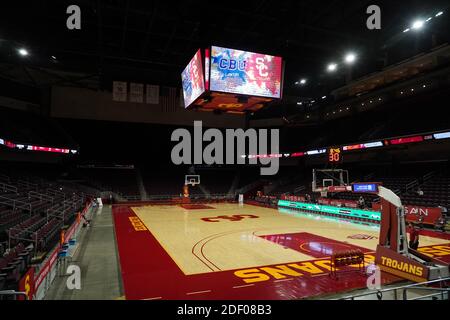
<point>193,80</point>
<point>246,73</point>
<point>231,80</point>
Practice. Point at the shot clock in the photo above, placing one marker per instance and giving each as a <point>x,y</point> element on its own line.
<point>334,155</point>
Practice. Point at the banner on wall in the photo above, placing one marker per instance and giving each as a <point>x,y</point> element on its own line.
<point>427,215</point>
<point>136,92</point>
<point>119,91</point>
<point>152,94</point>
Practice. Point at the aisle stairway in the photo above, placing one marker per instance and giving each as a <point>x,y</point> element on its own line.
<point>140,183</point>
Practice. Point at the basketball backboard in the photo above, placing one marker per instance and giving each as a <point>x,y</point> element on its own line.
<point>192,179</point>
<point>328,179</point>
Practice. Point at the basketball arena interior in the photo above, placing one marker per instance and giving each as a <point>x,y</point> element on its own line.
<point>252,150</point>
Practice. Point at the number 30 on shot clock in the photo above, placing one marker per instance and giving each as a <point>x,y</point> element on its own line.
<point>334,155</point>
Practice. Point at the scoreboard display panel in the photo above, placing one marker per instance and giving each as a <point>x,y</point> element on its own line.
<point>230,80</point>
<point>245,73</point>
<point>365,187</point>
<point>193,79</point>
<point>227,102</point>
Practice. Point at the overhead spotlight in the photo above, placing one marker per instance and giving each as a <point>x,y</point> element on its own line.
<point>303,81</point>
<point>440,13</point>
<point>332,67</point>
<point>297,83</point>
<point>299,103</point>
<point>53,57</point>
<point>23,52</point>
<point>324,97</point>
<point>429,19</point>
<point>406,30</point>
<point>350,58</point>
<point>412,90</point>
<point>418,24</point>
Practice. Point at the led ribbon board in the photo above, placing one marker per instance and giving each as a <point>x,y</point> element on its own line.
<point>442,135</point>
<point>246,73</point>
<point>339,211</point>
<point>193,79</point>
<point>19,146</point>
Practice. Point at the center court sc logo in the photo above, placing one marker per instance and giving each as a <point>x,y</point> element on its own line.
<point>235,140</point>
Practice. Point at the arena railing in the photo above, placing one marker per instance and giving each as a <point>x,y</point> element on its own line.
<point>40,196</point>
<point>8,187</point>
<point>5,177</point>
<point>428,176</point>
<point>27,184</point>
<point>55,193</point>
<point>249,187</point>
<point>27,240</point>
<point>442,292</point>
<point>131,198</point>
<point>15,204</point>
<point>412,185</point>
<point>46,271</point>
<point>14,294</point>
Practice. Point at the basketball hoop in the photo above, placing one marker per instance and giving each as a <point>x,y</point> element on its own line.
<point>326,179</point>
<point>192,180</point>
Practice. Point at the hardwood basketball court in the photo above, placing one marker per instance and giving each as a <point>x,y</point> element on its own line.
<point>232,251</point>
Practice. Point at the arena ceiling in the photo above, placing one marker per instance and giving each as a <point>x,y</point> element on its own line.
<point>151,41</point>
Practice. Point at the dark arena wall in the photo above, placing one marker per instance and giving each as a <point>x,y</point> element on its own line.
<point>77,103</point>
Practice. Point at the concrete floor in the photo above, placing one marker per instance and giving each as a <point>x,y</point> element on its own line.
<point>97,257</point>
